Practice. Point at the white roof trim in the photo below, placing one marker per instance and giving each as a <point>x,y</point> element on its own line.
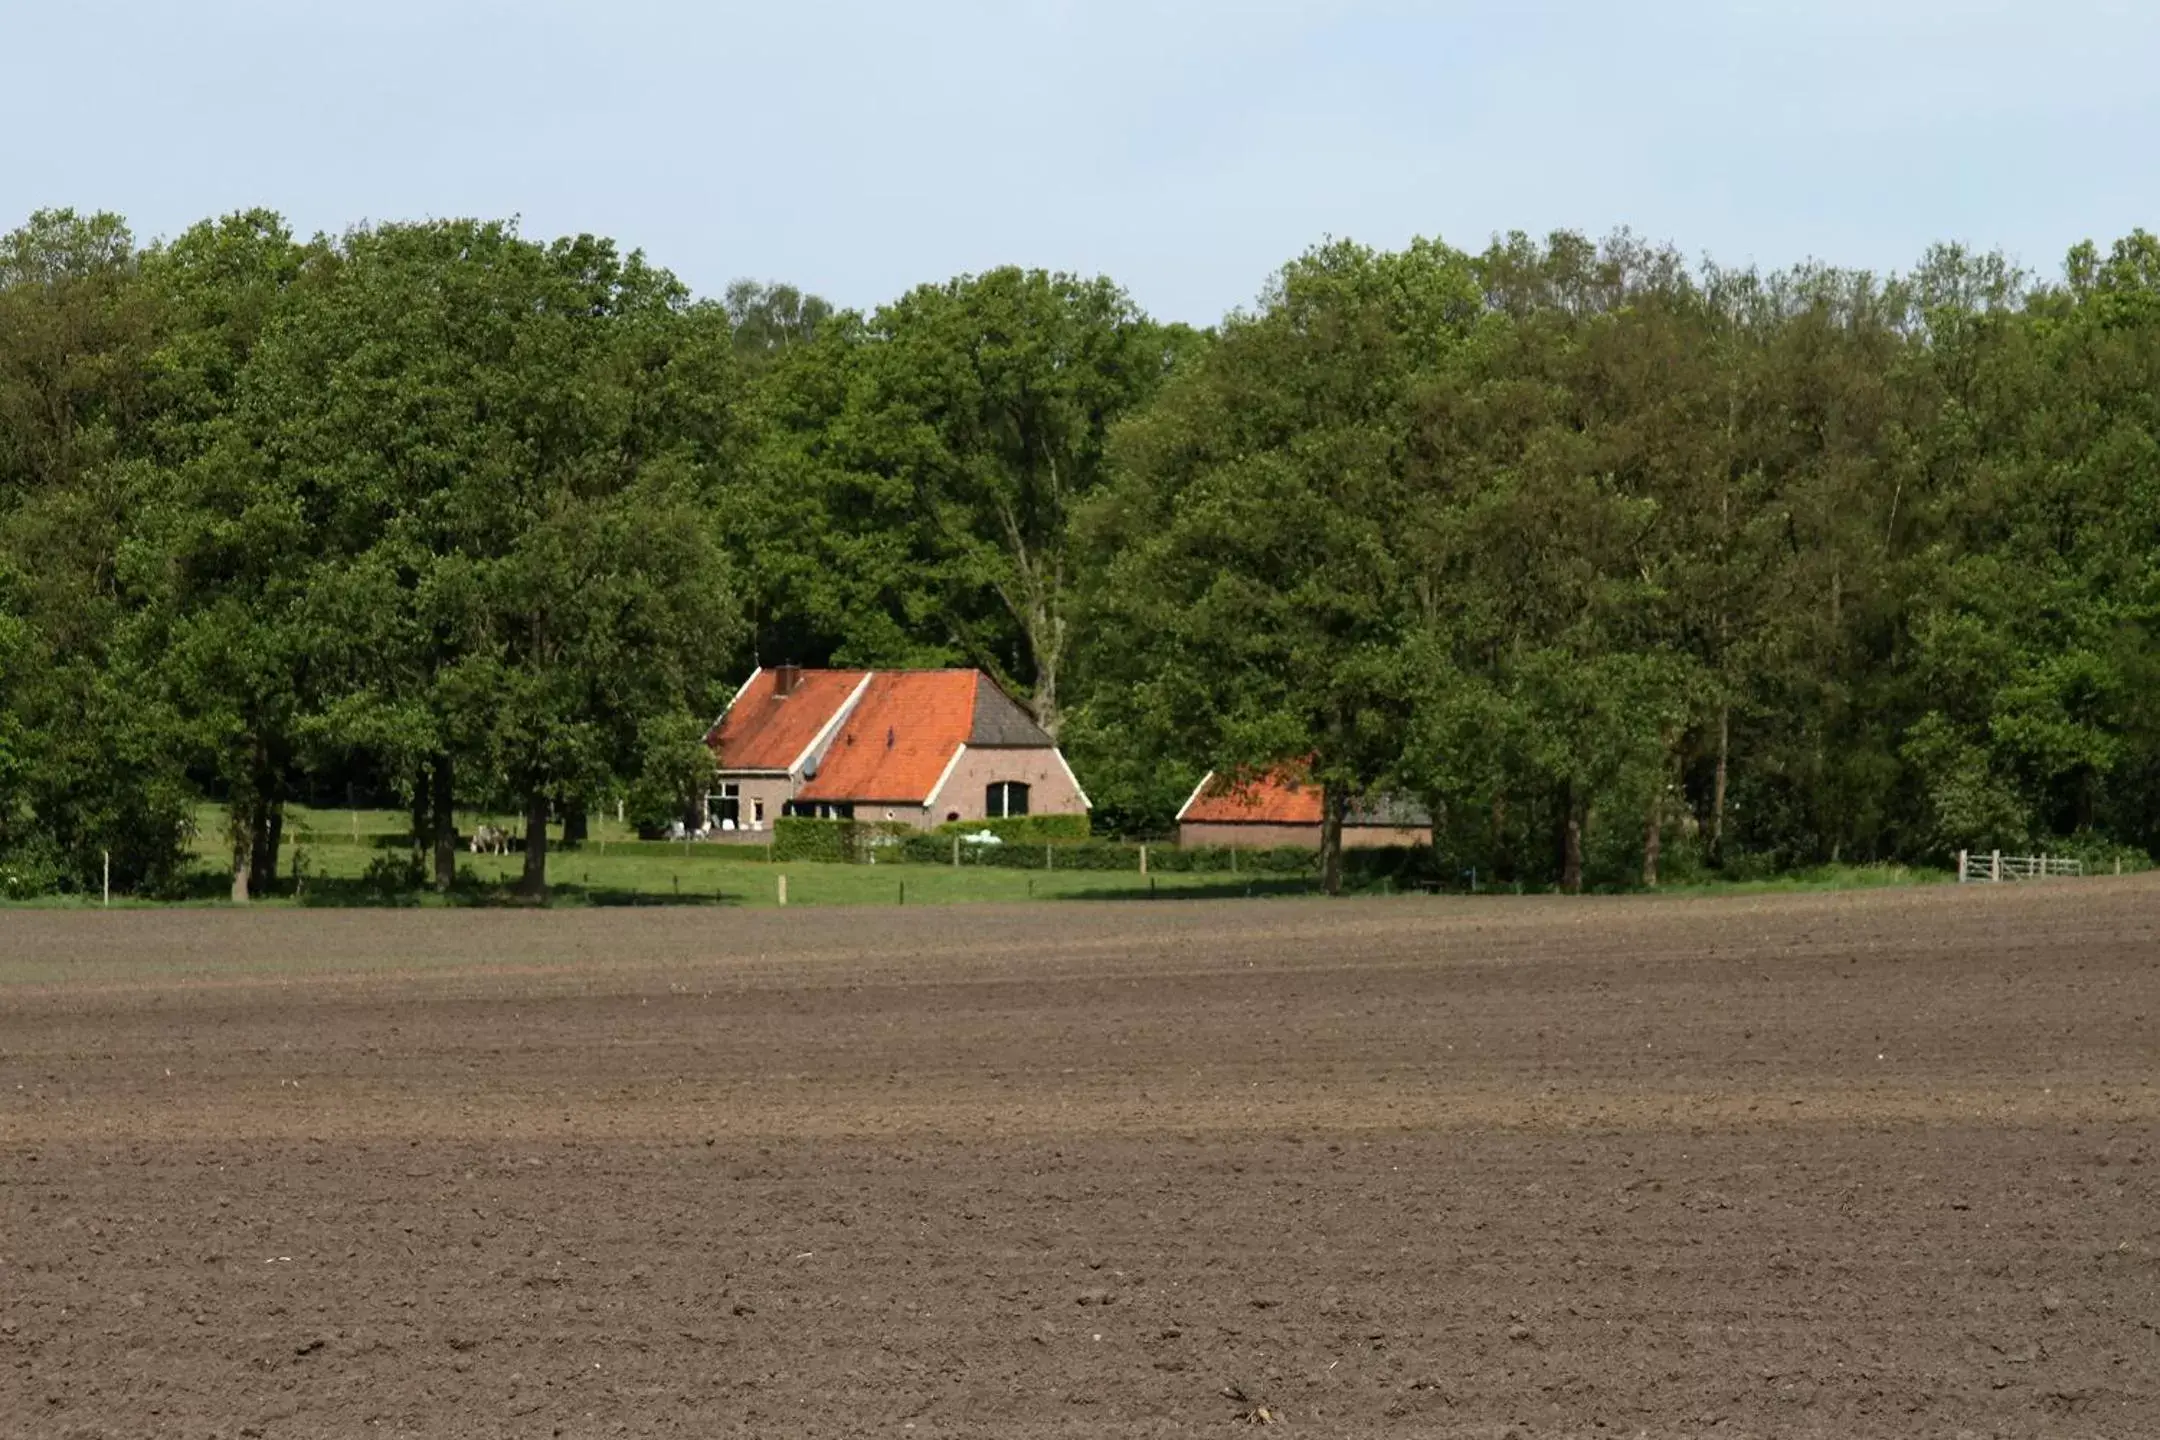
<point>847,706</point>
<point>1194,796</point>
<point>1084,801</point>
<point>740,691</point>
<point>930,800</point>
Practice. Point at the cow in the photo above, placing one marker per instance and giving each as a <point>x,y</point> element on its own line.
<point>490,840</point>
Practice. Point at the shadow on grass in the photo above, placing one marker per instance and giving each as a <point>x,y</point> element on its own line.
<point>1228,888</point>
<point>330,894</point>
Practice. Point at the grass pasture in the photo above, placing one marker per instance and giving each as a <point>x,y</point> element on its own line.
<point>330,851</point>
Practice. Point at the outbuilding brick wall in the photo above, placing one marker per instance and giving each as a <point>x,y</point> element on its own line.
<point>1050,789</point>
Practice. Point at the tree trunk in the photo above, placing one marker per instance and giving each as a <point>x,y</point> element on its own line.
<point>1333,804</point>
<point>269,839</point>
<point>1653,840</point>
<point>533,886</point>
<point>1047,714</point>
<point>442,803</point>
<point>1717,789</point>
<point>421,828</point>
<point>249,819</point>
<point>1570,836</point>
<point>575,825</point>
<point>1503,859</point>
<point>240,820</point>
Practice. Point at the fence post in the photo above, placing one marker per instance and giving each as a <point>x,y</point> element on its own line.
<point>1961,867</point>
<point>1143,860</point>
<point>1995,867</point>
<point>108,874</point>
<point>2118,864</point>
<point>783,889</point>
<point>1233,859</point>
<point>1049,859</point>
<point>956,852</point>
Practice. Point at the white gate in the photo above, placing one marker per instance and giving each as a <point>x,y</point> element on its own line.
<point>1995,867</point>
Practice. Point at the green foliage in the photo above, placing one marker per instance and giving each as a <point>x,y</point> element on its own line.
<point>834,842</point>
<point>797,837</point>
<point>912,497</point>
<point>1226,860</point>
<point>1628,570</point>
<point>1108,855</point>
<point>393,877</point>
<point>1024,829</point>
<point>673,766</point>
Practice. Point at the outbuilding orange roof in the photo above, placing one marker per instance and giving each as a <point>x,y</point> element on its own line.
<point>1282,796</point>
<point>765,730</point>
<point>899,738</point>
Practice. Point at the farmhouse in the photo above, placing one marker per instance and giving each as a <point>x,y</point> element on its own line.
<point>1282,807</point>
<point>918,746</point>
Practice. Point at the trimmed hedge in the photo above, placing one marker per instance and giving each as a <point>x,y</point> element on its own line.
<point>833,842</point>
<point>1045,855</point>
<point>1231,859</point>
<point>937,849</point>
<point>1023,829</point>
<point>859,841</point>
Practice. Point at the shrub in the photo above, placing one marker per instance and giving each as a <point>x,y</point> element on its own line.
<point>31,869</point>
<point>2099,854</point>
<point>1024,829</point>
<point>1046,855</point>
<point>835,842</point>
<point>1230,859</point>
<point>1399,864</point>
<point>394,876</point>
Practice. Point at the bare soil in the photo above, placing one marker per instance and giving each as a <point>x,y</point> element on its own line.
<point>1836,1165</point>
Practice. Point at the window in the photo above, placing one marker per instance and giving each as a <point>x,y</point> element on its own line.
<point>727,812</point>
<point>757,814</point>
<point>1005,797</point>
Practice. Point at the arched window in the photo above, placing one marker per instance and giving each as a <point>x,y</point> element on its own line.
<point>1005,797</point>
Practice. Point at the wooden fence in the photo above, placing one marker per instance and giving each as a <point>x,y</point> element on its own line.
<point>1994,867</point>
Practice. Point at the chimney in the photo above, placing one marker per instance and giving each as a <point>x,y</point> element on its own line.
<point>785,679</point>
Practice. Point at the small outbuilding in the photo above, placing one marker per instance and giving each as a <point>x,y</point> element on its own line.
<point>1282,808</point>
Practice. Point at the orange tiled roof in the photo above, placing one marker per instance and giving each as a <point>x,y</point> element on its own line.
<point>1280,797</point>
<point>899,739</point>
<point>766,731</point>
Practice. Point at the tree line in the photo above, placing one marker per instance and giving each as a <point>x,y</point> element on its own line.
<point>1622,565</point>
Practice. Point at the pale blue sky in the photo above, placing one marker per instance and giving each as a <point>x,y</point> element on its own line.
<point>1186,149</point>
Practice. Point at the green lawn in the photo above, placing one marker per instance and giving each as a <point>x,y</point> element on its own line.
<point>334,848</point>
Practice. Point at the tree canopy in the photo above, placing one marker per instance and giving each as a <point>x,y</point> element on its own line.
<point>1615,562</point>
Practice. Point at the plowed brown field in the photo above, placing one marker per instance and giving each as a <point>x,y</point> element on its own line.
<point>1834,1165</point>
